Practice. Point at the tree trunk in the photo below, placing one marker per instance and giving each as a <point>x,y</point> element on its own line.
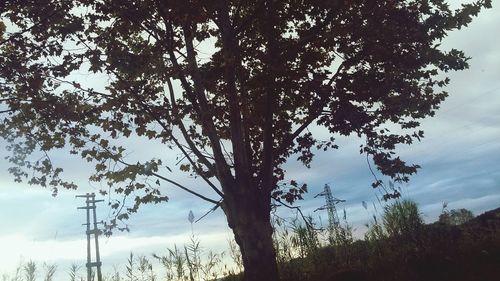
<point>257,251</point>
<point>248,216</point>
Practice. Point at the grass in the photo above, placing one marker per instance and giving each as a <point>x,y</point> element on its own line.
<point>398,246</point>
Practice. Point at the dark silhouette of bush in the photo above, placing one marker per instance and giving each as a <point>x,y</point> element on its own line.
<point>455,216</point>
<point>440,252</point>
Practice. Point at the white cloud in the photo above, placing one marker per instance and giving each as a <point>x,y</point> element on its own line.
<point>18,247</point>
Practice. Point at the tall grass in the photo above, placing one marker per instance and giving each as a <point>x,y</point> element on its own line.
<point>235,255</point>
<point>305,251</point>
<point>192,263</point>
<point>73,272</point>
<point>50,270</point>
<point>30,271</point>
<point>403,218</point>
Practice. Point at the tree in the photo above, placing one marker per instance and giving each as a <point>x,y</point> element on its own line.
<point>455,216</point>
<point>233,85</point>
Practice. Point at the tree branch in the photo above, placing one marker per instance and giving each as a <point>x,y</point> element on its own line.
<point>119,160</point>
<point>185,188</point>
<point>197,97</point>
<point>381,183</point>
<point>229,49</point>
<point>308,224</point>
<point>266,174</point>
<point>8,99</point>
<point>164,126</point>
<point>206,116</point>
<point>210,211</point>
<point>31,27</point>
<point>312,116</point>
<point>312,33</point>
<point>184,132</point>
<point>246,21</point>
<point>79,87</point>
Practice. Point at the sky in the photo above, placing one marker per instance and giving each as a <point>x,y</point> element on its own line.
<point>460,159</point>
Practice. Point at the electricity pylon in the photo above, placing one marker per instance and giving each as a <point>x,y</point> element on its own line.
<point>333,218</point>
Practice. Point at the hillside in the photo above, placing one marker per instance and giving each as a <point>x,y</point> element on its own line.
<point>438,252</point>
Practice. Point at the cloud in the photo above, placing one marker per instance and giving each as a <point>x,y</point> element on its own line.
<point>16,248</point>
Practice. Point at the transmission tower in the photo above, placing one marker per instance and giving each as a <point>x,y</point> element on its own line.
<point>90,205</point>
<point>333,218</point>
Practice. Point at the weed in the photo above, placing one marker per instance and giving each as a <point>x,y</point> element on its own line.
<point>235,254</point>
<point>73,271</point>
<point>30,271</point>
<point>50,270</point>
<point>403,219</point>
<point>399,248</point>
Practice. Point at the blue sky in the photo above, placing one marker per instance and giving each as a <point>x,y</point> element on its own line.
<point>460,159</point>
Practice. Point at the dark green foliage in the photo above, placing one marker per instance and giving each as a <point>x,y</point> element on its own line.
<point>455,216</point>
<point>402,219</point>
<point>350,66</point>
<point>469,252</point>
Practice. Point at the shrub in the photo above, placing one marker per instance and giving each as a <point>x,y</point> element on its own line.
<point>455,216</point>
<point>403,219</point>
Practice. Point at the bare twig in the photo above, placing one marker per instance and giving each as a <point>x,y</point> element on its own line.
<point>308,224</point>
<point>121,161</point>
<point>211,210</point>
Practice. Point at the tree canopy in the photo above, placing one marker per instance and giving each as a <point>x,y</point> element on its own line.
<point>233,85</point>
<point>455,216</point>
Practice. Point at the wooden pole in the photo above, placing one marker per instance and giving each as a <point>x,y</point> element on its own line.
<point>96,234</point>
<point>90,204</point>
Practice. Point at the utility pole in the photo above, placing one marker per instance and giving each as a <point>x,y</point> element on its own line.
<point>90,205</point>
